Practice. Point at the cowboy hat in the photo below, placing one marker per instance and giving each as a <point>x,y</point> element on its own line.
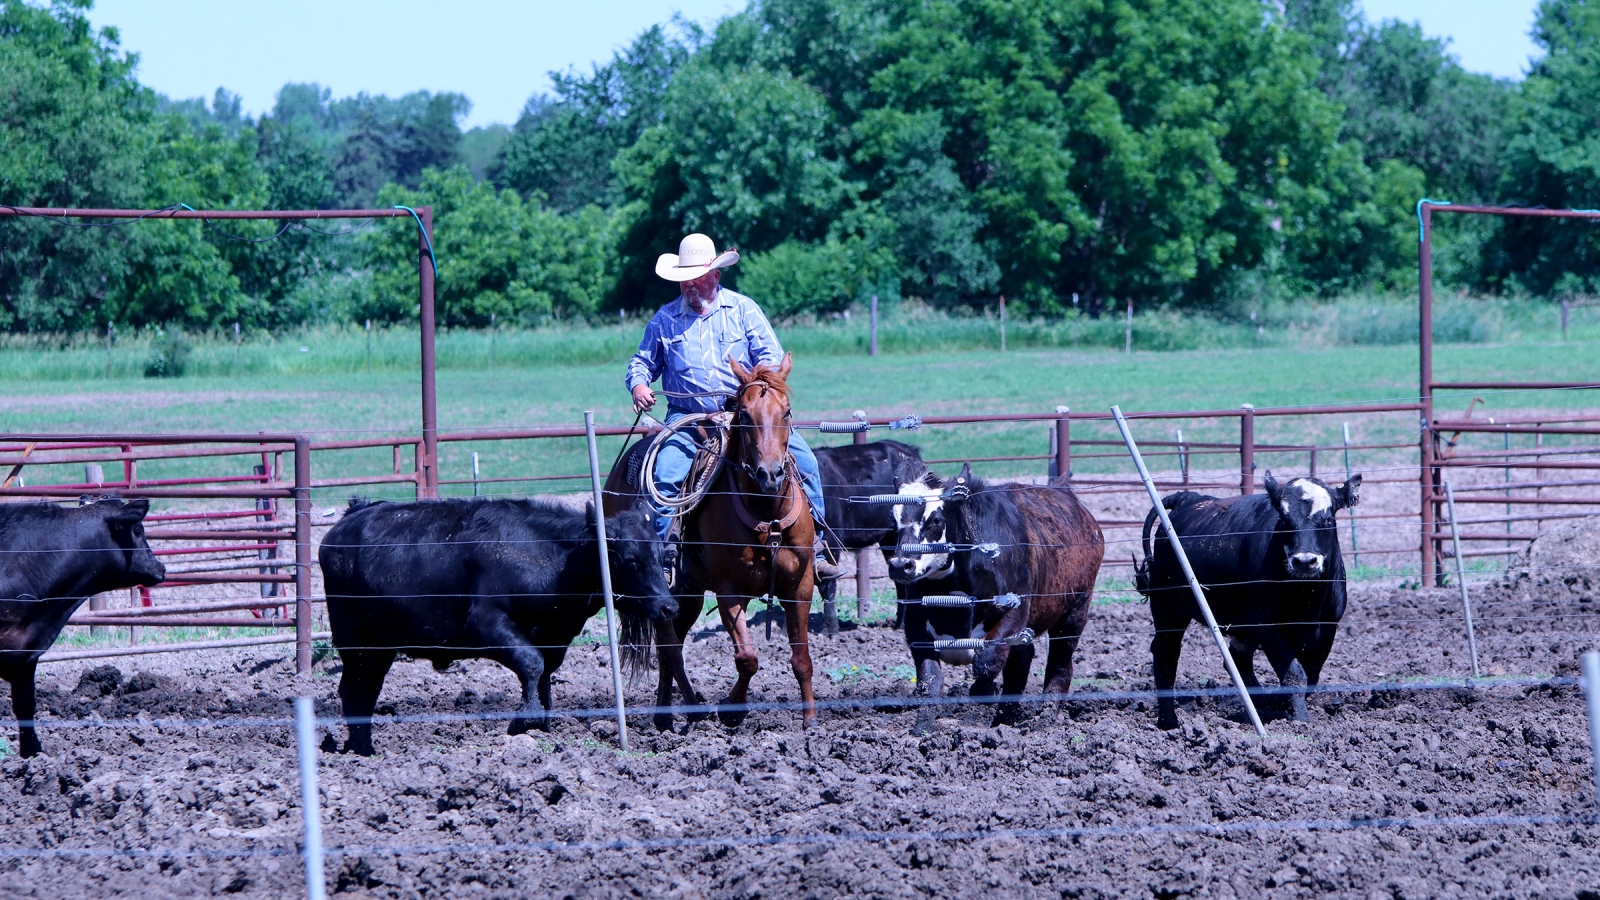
<point>696,256</point>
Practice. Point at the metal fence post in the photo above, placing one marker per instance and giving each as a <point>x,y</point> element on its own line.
<point>305,740</point>
<point>1002,323</point>
<point>1063,442</point>
<point>1188,572</point>
<point>1461,575</point>
<point>1355,545</point>
<point>1183,455</point>
<point>872,329</point>
<point>1247,449</point>
<point>302,554</point>
<point>1591,694</point>
<point>474,473</point>
<point>613,633</point>
<point>863,562</point>
<point>428,451</point>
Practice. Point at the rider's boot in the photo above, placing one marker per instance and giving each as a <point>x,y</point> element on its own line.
<point>827,569</point>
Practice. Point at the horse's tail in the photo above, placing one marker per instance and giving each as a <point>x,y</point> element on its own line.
<point>638,644</point>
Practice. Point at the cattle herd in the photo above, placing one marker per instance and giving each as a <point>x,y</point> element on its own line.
<point>983,570</point>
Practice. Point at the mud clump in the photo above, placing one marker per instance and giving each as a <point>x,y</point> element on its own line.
<point>1086,799</point>
<point>1561,564</point>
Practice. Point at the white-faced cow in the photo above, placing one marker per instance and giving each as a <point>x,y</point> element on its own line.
<point>1271,571</point>
<point>52,558</point>
<point>508,580</point>
<point>856,470</point>
<point>1026,558</point>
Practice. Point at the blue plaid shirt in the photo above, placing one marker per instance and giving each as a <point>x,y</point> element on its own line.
<point>690,353</point>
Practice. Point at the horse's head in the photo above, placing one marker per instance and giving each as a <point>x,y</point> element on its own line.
<point>761,423</point>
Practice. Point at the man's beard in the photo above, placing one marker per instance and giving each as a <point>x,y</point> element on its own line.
<point>697,300</point>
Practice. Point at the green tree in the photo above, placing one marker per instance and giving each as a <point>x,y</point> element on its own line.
<point>1554,159</point>
<point>498,255</point>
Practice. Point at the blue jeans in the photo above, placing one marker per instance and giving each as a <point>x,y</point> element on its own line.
<point>677,454</point>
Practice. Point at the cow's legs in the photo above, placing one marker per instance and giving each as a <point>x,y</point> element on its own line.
<point>930,687</point>
<point>1013,682</point>
<point>1164,650</point>
<point>732,610</point>
<point>1289,671</point>
<point>986,667</point>
<point>364,671</point>
<point>528,663</point>
<point>553,658</point>
<point>24,703</point>
<point>1063,643</point>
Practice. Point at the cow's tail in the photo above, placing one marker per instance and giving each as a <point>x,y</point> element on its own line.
<point>637,650</point>
<point>1141,568</point>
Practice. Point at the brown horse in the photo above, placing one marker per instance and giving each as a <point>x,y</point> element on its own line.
<point>751,536</point>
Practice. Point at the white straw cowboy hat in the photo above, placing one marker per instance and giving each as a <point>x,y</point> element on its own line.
<point>696,256</point>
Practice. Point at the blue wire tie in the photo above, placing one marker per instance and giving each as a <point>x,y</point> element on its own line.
<point>425,239</point>
<point>1419,213</point>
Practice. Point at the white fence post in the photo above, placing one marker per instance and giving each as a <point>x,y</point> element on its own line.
<point>613,633</point>
<point>305,739</point>
<point>1188,572</point>
<point>1461,575</point>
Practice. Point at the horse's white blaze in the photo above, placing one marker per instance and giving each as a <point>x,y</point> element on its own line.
<point>1315,494</point>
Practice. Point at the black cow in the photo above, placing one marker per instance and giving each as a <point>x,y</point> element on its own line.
<point>1271,571</point>
<point>52,558</point>
<point>507,580</point>
<point>857,470</point>
<point>1037,543</point>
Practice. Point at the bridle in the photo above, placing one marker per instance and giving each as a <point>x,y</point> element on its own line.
<point>769,531</point>
<point>735,405</point>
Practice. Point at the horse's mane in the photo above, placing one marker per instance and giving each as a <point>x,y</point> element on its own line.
<point>767,376</point>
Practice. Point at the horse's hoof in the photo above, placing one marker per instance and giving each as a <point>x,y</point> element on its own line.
<point>663,721</point>
<point>731,717</point>
<point>698,715</point>
<point>1167,722</point>
<point>1007,714</point>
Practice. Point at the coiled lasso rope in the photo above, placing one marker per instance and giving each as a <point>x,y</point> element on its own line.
<point>692,495</point>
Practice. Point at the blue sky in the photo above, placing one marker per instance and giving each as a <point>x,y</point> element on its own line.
<point>499,52</point>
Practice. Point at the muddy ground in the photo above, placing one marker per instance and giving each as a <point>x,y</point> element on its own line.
<point>854,807</point>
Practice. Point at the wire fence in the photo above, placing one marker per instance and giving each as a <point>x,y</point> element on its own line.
<point>258,536</point>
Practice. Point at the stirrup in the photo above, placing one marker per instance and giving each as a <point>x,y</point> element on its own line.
<point>826,568</point>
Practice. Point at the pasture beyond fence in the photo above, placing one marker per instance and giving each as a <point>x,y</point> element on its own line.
<point>234,513</point>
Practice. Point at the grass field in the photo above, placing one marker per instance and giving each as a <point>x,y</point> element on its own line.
<point>385,402</point>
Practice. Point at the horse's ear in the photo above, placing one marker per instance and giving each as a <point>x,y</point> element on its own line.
<point>785,366</point>
<point>739,372</point>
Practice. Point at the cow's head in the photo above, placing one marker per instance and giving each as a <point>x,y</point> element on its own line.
<point>637,578</point>
<point>921,522</point>
<point>1305,508</point>
<point>124,522</point>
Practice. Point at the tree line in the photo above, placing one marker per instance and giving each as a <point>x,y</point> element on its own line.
<point>1069,154</point>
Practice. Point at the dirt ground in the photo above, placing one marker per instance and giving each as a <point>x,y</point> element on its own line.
<point>856,806</point>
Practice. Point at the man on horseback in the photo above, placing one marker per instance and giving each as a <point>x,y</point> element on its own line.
<point>688,345</point>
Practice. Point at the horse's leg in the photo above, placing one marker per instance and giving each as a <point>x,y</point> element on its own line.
<point>732,609</point>
<point>671,636</point>
<point>797,618</point>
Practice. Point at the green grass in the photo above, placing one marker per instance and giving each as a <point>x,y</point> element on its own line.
<point>551,376</point>
<point>78,637</point>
